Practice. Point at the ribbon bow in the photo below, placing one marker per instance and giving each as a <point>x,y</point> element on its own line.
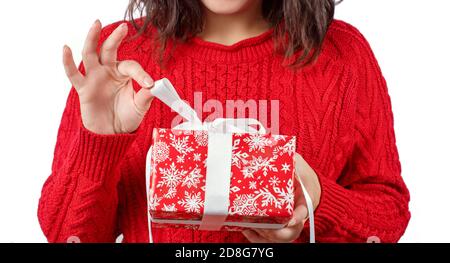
<point>165,91</point>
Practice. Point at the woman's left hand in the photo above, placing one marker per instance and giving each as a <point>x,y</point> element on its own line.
<point>294,228</point>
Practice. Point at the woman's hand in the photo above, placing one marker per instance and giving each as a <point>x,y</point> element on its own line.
<point>294,228</point>
<point>108,102</point>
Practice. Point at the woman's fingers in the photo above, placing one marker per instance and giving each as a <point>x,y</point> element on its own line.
<point>289,233</point>
<point>90,56</point>
<point>108,54</point>
<point>300,215</point>
<point>142,101</point>
<point>284,235</point>
<point>71,69</point>
<point>132,69</point>
<point>254,237</point>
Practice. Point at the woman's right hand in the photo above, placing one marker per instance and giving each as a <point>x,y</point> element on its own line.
<point>108,102</point>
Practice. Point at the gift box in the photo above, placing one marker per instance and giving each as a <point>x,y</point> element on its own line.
<point>260,188</point>
<point>224,175</point>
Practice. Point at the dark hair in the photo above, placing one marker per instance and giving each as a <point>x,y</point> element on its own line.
<point>299,25</point>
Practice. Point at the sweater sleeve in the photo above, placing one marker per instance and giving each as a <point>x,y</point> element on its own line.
<point>370,199</point>
<point>79,199</point>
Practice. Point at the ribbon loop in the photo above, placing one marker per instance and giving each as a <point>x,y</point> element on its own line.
<point>164,91</point>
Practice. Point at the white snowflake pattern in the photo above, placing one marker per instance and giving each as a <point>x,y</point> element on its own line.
<point>274,181</point>
<point>260,163</point>
<point>287,148</point>
<point>180,159</point>
<point>171,177</point>
<point>192,179</point>
<point>252,185</point>
<point>235,189</point>
<point>201,137</point>
<point>290,147</point>
<point>247,204</point>
<point>171,192</point>
<point>238,158</point>
<point>154,201</point>
<point>181,144</point>
<point>243,205</point>
<point>287,196</point>
<point>285,168</point>
<point>191,202</point>
<point>236,143</point>
<point>268,199</point>
<point>258,142</point>
<point>160,152</point>
<point>279,137</point>
<point>197,157</point>
<point>169,208</point>
<point>261,212</point>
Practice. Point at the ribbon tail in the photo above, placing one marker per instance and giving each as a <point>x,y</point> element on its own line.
<point>309,206</point>
<point>218,179</point>
<point>164,91</point>
<point>148,171</point>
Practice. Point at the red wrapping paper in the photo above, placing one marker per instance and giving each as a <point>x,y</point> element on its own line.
<point>261,182</point>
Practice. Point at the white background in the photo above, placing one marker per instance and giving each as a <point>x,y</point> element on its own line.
<point>411,39</point>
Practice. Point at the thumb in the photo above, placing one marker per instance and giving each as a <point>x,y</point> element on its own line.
<point>142,100</point>
<point>300,214</point>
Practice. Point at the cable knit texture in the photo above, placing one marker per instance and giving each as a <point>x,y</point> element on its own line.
<point>339,109</point>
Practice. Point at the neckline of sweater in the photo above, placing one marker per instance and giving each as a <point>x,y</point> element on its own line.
<point>250,49</point>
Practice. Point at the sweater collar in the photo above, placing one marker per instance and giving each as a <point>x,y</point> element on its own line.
<point>249,49</point>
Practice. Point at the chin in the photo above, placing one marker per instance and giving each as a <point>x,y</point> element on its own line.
<point>228,7</point>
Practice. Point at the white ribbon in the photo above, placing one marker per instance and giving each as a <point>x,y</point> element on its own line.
<point>309,206</point>
<point>164,91</point>
<point>218,163</point>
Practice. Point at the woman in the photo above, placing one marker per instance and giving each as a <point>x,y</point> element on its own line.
<point>331,95</point>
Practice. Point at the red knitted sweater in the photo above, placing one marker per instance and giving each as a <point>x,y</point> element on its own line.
<point>339,109</point>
